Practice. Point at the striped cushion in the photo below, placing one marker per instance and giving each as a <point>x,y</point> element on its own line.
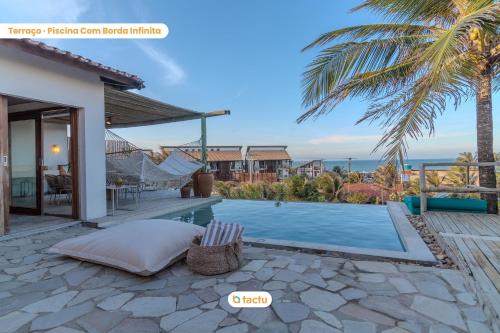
<point>231,234</point>
<point>213,234</point>
<point>218,233</point>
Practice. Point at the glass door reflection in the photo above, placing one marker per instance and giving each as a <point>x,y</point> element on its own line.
<point>24,161</point>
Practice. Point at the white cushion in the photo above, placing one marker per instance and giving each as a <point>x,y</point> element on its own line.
<point>143,247</point>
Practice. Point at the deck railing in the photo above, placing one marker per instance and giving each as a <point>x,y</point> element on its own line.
<point>449,189</point>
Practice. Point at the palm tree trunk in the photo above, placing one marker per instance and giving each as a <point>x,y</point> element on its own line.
<point>484,114</point>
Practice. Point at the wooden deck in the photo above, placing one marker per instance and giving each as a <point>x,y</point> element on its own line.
<point>473,241</point>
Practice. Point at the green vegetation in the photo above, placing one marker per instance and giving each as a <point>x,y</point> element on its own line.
<point>326,188</point>
<point>295,188</point>
<point>332,186</point>
<point>425,56</point>
<point>386,175</point>
<point>358,198</point>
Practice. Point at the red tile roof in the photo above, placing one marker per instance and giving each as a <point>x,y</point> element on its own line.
<point>214,153</point>
<point>218,156</point>
<point>268,155</point>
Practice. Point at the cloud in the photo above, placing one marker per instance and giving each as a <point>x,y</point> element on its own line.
<point>345,139</point>
<point>172,72</point>
<point>54,11</point>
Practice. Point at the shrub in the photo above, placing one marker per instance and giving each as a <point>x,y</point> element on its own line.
<point>396,196</point>
<point>358,198</point>
<point>329,185</point>
<point>295,186</point>
<point>355,177</point>
<point>310,192</point>
<point>338,170</point>
<point>252,191</point>
<point>413,187</point>
<point>279,191</point>
<point>225,188</point>
<point>237,193</point>
<point>300,188</point>
<point>386,175</point>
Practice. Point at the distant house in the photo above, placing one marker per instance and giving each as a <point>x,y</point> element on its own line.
<point>224,161</point>
<point>268,159</point>
<point>311,169</point>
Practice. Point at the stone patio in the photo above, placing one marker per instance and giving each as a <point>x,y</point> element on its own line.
<point>45,292</point>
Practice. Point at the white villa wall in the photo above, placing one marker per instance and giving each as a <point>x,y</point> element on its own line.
<point>29,76</point>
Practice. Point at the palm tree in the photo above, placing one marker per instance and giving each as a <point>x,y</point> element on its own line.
<point>434,179</point>
<point>386,175</point>
<point>330,185</point>
<point>429,54</point>
<point>460,175</point>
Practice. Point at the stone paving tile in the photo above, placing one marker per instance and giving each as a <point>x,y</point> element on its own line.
<point>41,291</point>
<point>115,302</point>
<point>290,312</point>
<point>329,318</point>
<point>254,265</point>
<point>177,318</point>
<point>402,285</point>
<point>314,326</point>
<point>99,321</point>
<point>150,306</point>
<point>51,304</point>
<point>359,327</point>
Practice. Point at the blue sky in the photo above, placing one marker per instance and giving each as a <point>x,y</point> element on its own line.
<point>244,56</point>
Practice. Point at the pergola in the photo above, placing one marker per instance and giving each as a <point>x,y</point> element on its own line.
<point>126,109</point>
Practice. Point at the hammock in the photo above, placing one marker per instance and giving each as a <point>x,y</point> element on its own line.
<point>126,161</point>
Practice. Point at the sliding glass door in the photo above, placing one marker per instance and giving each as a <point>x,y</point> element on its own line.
<point>25,159</point>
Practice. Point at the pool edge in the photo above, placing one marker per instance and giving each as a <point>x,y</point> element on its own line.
<point>416,250</point>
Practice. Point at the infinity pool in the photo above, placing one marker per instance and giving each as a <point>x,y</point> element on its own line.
<point>365,226</point>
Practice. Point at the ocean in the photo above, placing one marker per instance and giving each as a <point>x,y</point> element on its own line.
<point>371,165</point>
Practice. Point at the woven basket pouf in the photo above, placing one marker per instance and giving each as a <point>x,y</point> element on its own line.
<point>213,260</point>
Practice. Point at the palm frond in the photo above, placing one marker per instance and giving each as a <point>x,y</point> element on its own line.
<point>442,12</point>
<point>338,64</point>
<point>455,40</point>
<point>411,68</point>
<point>414,110</point>
<point>362,33</point>
<point>386,81</point>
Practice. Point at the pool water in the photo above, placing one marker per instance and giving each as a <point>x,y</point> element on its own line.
<point>365,226</point>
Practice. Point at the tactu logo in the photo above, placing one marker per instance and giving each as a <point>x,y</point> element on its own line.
<point>249,299</point>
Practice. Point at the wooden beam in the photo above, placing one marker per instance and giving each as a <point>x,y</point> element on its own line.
<point>75,171</point>
<point>423,195</point>
<point>4,168</point>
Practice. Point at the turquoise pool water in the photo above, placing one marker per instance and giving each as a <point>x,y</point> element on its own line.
<point>365,226</point>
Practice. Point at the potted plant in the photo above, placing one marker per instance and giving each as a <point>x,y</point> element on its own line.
<point>186,190</point>
<point>196,186</point>
<point>206,183</point>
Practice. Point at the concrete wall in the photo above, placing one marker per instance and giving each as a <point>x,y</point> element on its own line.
<point>33,77</point>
